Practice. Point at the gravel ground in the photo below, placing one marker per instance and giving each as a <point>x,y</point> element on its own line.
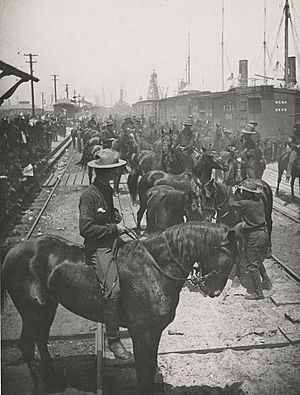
<point>251,355</point>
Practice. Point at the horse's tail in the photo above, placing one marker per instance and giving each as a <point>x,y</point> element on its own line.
<point>4,250</point>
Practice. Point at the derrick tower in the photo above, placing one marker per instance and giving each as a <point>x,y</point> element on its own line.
<point>153,91</point>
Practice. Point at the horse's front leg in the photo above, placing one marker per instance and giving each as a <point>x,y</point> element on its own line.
<point>90,174</point>
<point>145,346</point>
<point>26,345</point>
<point>292,188</point>
<point>117,182</point>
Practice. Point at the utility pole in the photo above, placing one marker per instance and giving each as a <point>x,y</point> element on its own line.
<point>31,62</point>
<point>286,42</point>
<point>55,79</point>
<point>43,100</point>
<point>67,90</point>
<point>265,43</point>
<point>222,46</point>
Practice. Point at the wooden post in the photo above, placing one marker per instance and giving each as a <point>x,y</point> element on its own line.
<point>99,340</point>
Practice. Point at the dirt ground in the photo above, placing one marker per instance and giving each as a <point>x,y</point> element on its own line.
<point>225,345</point>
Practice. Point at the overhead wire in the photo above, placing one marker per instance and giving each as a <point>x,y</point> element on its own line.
<point>277,38</point>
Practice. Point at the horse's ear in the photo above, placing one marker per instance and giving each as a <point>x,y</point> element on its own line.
<point>204,149</point>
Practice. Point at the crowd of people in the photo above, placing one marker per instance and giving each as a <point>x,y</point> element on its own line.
<point>25,143</point>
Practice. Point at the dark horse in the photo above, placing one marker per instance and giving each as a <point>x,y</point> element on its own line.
<point>215,203</point>
<point>202,168</point>
<point>38,274</point>
<point>142,162</point>
<point>185,182</point>
<point>167,206</point>
<point>283,161</point>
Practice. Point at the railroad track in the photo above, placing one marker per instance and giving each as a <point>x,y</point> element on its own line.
<point>67,179</point>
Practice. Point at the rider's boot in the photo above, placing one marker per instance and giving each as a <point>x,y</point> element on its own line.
<point>266,282</point>
<point>111,319</point>
<point>258,293</point>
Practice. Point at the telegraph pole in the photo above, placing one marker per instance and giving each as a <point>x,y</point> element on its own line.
<point>67,90</point>
<point>43,100</point>
<point>55,79</point>
<point>31,62</point>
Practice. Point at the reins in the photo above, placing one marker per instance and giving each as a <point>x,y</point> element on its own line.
<point>172,255</point>
<point>217,208</point>
<point>159,269</point>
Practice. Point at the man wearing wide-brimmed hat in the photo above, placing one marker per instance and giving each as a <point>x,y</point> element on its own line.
<point>108,133</point>
<point>252,212</point>
<point>98,221</point>
<point>294,145</point>
<point>186,136</point>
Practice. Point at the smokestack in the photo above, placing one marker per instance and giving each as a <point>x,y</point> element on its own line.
<point>121,95</point>
<point>292,71</point>
<point>243,72</point>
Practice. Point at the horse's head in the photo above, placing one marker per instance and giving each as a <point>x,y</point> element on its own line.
<point>212,159</point>
<point>192,207</point>
<point>208,194</point>
<point>215,271</point>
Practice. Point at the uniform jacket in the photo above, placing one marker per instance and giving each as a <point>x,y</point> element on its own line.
<point>252,213</point>
<point>97,216</point>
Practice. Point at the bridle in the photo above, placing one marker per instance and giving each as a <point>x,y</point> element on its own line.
<point>196,280</point>
<point>217,207</point>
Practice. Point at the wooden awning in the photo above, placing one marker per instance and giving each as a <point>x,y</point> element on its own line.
<point>7,70</point>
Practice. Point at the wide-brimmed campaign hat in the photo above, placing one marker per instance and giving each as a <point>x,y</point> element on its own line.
<point>187,123</point>
<point>245,131</point>
<point>252,123</point>
<point>109,122</point>
<point>106,159</point>
<point>249,186</point>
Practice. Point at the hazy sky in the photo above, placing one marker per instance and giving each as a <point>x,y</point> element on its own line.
<point>106,43</point>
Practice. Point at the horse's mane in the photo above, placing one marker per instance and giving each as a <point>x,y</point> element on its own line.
<point>201,238</point>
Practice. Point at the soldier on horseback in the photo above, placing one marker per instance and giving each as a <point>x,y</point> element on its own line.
<point>98,221</point>
<point>186,136</point>
<point>294,145</point>
<point>108,133</point>
<point>253,154</point>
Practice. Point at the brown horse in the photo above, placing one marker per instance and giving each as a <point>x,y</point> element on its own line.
<point>167,206</point>
<point>185,182</point>
<point>38,274</point>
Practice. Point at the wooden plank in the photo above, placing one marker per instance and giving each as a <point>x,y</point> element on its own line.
<point>285,299</point>
<point>71,179</point>
<point>291,332</point>
<point>64,179</point>
<point>85,179</point>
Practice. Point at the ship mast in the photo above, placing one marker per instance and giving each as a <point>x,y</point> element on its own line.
<point>286,41</point>
<point>189,59</point>
<point>222,45</point>
<point>265,43</point>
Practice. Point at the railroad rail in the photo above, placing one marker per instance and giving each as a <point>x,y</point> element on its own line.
<point>124,204</point>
